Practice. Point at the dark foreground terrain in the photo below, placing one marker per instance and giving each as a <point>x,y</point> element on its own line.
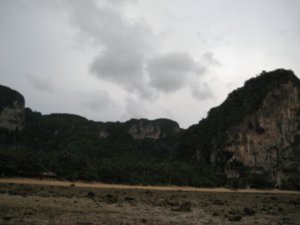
<point>40,204</point>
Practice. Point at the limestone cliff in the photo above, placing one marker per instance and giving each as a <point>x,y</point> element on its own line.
<point>258,140</point>
<point>257,127</point>
<point>155,129</point>
<point>11,109</point>
<point>263,139</point>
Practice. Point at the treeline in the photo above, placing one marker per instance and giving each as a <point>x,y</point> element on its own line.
<point>71,167</point>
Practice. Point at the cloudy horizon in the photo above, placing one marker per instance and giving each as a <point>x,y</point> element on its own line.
<point>112,60</point>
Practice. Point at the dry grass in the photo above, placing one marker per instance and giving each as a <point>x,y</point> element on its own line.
<point>63,203</point>
<point>138,187</point>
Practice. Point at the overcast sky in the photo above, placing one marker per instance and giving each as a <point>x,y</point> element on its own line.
<point>112,60</point>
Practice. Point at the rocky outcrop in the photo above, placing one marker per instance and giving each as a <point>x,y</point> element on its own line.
<point>156,129</point>
<point>262,141</point>
<point>62,124</point>
<point>103,134</point>
<point>261,138</point>
<point>256,129</point>
<point>141,130</point>
<point>11,109</point>
<point>12,118</point>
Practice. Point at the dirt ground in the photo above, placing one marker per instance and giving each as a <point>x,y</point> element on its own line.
<point>75,204</point>
<point>51,182</point>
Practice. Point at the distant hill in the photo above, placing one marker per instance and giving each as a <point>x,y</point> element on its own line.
<point>72,147</point>
<point>251,140</point>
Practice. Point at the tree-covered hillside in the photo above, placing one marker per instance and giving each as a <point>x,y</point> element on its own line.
<point>73,147</point>
<point>141,151</point>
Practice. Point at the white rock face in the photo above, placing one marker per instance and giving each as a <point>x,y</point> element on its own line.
<point>155,129</point>
<point>141,131</point>
<point>12,118</point>
<point>103,134</point>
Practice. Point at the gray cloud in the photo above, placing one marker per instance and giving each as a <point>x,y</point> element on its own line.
<point>210,59</point>
<point>201,91</point>
<point>124,52</point>
<point>122,44</point>
<point>172,71</point>
<point>106,25</point>
<point>117,66</point>
<point>124,49</point>
<point>98,101</point>
<point>135,108</point>
<point>40,83</point>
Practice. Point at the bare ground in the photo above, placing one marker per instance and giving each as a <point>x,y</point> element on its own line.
<point>52,202</point>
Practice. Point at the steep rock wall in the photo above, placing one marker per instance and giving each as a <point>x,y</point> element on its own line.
<point>261,139</point>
